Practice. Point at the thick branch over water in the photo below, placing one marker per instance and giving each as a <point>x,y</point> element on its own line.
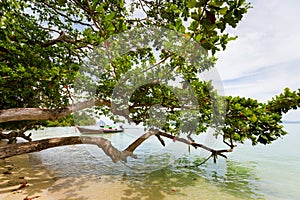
<point>39,145</point>
<point>160,134</point>
<point>115,154</point>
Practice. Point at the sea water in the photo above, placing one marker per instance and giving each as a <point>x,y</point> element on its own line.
<point>173,172</point>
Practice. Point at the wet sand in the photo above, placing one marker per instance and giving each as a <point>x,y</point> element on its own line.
<point>17,170</point>
<point>43,185</point>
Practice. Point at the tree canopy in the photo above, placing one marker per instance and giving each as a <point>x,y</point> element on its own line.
<point>139,60</point>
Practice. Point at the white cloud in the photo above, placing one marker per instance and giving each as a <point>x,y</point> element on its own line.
<point>265,82</point>
<point>266,56</point>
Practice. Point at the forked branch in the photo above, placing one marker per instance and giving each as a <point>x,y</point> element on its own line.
<point>160,134</point>
<point>115,154</point>
<point>12,135</point>
<point>39,145</point>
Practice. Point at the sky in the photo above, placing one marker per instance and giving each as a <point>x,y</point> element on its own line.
<point>266,56</point>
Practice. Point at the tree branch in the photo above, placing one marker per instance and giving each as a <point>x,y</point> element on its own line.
<point>11,136</point>
<point>39,145</point>
<point>19,114</point>
<point>115,154</point>
<point>61,38</point>
<point>65,16</point>
<point>144,137</point>
<point>140,140</point>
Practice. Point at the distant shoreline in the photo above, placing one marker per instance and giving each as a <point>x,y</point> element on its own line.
<point>291,122</point>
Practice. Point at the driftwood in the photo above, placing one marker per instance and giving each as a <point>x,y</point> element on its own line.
<point>31,198</point>
<point>21,186</point>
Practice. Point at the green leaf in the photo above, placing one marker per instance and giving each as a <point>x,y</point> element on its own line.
<point>62,2</point>
<point>224,10</point>
<point>195,3</point>
<point>110,16</point>
<point>192,3</point>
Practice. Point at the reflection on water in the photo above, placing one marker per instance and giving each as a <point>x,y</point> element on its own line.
<point>263,172</point>
<point>234,180</point>
<point>238,179</point>
<point>163,176</point>
<point>178,180</point>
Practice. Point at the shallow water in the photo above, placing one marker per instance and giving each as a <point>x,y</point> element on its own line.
<point>262,172</point>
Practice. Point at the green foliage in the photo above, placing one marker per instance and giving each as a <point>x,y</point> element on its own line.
<point>83,119</point>
<point>32,73</point>
<point>48,46</point>
<point>79,118</point>
<point>259,122</point>
<point>285,101</point>
<point>248,119</point>
<point>65,121</point>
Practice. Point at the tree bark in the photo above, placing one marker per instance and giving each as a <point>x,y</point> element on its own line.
<point>12,135</point>
<point>19,114</point>
<point>160,134</point>
<point>39,145</point>
<point>115,154</point>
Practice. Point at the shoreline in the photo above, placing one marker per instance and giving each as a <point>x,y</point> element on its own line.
<point>43,185</point>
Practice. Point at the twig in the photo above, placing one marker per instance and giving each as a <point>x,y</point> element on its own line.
<point>156,64</point>
<point>65,16</point>
<point>94,20</point>
<point>142,7</point>
<point>190,138</point>
<point>12,135</point>
<point>203,161</point>
<point>21,186</point>
<point>160,139</point>
<point>61,38</point>
<point>30,198</point>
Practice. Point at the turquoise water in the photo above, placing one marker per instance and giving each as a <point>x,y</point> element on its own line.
<point>261,172</point>
<point>277,166</point>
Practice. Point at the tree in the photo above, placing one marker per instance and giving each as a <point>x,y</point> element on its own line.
<point>55,53</point>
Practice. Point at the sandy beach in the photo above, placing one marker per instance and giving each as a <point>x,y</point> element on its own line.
<point>40,184</point>
<point>18,170</point>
